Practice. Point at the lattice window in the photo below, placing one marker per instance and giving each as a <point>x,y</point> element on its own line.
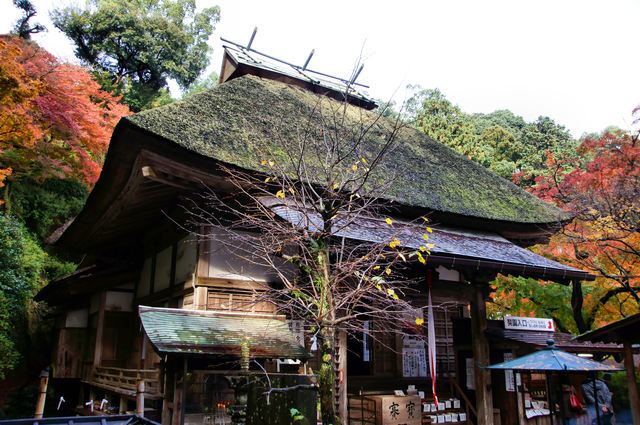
<point>225,300</point>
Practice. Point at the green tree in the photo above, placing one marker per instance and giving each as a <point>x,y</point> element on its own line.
<point>135,46</point>
<point>443,121</point>
<point>202,84</point>
<point>501,141</point>
<point>44,206</point>
<point>523,296</point>
<point>539,139</point>
<point>22,262</point>
<point>23,28</point>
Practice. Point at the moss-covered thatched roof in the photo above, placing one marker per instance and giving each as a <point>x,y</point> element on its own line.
<point>240,119</point>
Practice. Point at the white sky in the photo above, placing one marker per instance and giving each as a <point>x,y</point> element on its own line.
<point>573,60</point>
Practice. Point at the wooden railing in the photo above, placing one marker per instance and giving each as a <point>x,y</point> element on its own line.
<point>127,379</point>
<point>468,406</point>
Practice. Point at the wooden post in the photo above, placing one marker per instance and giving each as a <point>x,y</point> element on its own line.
<point>140,377</point>
<point>177,399</point>
<point>634,401</point>
<point>484,396</point>
<point>42,393</point>
<point>140,395</point>
<point>167,403</point>
<point>342,374</point>
<point>97,352</point>
<point>122,408</point>
<point>183,396</point>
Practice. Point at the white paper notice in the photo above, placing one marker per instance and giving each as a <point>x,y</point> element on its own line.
<point>447,404</point>
<point>456,404</point>
<point>509,381</point>
<point>471,374</point>
<point>414,362</point>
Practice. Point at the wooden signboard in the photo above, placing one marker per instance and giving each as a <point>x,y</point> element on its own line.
<point>394,410</point>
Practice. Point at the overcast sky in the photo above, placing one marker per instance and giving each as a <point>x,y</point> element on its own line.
<point>576,61</point>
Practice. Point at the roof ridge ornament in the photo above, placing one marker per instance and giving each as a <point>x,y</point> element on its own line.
<point>248,48</point>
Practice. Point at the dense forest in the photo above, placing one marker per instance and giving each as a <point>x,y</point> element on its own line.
<point>56,120</point>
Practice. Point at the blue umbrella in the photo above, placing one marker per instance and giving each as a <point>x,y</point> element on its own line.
<point>552,359</point>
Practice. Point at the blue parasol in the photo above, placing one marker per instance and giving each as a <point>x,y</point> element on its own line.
<point>552,359</point>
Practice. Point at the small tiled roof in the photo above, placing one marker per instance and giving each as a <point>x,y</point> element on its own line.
<point>451,243</point>
<point>562,340</point>
<point>624,330</point>
<point>172,330</point>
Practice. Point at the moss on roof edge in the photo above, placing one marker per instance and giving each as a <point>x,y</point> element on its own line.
<point>222,124</point>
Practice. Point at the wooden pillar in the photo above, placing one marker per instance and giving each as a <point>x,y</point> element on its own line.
<point>634,401</point>
<point>140,377</point>
<point>140,395</point>
<point>122,407</point>
<point>177,400</point>
<point>97,352</point>
<point>484,396</point>
<point>342,374</point>
<point>200,298</point>
<point>179,393</point>
<point>42,393</point>
<point>167,391</point>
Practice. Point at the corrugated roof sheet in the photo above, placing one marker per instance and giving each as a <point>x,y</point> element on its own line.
<point>448,242</point>
<point>173,330</point>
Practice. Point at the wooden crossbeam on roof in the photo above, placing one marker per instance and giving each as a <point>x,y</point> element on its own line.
<point>304,67</point>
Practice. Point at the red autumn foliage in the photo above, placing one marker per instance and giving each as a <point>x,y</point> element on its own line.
<point>54,118</point>
<point>602,190</point>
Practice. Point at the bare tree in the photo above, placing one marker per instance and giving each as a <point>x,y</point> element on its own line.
<point>314,216</point>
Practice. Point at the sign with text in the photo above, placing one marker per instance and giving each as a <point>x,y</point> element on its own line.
<point>394,410</point>
<point>529,324</point>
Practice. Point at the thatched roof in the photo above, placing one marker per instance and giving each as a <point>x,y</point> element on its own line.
<point>239,120</point>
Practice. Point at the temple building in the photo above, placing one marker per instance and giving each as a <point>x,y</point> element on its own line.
<point>153,317</point>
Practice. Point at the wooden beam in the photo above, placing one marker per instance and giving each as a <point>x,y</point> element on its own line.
<point>484,396</point>
<point>634,401</point>
<point>97,352</point>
